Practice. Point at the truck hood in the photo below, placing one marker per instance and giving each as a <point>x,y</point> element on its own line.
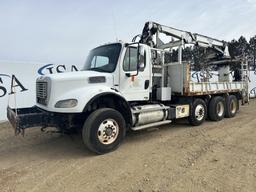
<point>78,76</point>
<point>79,85</point>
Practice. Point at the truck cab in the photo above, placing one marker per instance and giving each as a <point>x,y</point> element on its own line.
<point>109,69</point>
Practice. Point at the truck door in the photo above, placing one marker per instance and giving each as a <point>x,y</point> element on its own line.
<point>134,74</point>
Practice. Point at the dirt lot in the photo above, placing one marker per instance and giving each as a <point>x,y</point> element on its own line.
<point>213,157</point>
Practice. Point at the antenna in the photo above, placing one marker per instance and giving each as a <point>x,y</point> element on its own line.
<point>114,24</point>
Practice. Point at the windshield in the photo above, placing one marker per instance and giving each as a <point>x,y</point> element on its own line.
<point>103,59</point>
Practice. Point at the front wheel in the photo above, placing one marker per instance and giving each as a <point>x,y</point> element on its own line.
<point>104,130</point>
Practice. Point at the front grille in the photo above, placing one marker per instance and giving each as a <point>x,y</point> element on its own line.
<point>41,92</point>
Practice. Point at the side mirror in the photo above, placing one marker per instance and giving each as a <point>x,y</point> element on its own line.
<point>141,58</point>
<point>141,49</point>
<point>135,65</point>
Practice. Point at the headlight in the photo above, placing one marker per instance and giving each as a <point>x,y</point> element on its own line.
<point>69,103</point>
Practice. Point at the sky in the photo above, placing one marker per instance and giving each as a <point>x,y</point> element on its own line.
<point>63,31</point>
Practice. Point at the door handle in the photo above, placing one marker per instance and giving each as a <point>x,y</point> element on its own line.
<point>146,84</point>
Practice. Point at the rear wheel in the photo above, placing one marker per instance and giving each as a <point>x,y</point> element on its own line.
<point>231,106</point>
<point>216,108</point>
<point>198,112</point>
<point>104,130</point>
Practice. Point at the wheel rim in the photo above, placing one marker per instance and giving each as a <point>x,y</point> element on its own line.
<point>108,131</point>
<point>220,109</point>
<point>199,112</point>
<point>233,106</point>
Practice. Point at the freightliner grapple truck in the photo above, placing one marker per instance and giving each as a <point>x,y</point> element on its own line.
<point>134,86</point>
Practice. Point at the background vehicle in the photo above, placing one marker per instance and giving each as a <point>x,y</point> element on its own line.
<point>135,86</point>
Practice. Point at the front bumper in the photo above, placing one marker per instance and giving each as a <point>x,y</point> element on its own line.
<point>23,118</point>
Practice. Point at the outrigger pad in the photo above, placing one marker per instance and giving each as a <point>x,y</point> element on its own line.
<point>23,118</point>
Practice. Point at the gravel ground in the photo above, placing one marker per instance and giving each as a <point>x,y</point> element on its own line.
<point>216,156</point>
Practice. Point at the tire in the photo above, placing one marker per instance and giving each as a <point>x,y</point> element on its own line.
<point>217,108</point>
<point>104,130</point>
<point>232,106</point>
<point>198,111</point>
<point>238,105</point>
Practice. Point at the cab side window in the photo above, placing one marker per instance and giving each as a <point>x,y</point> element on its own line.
<point>131,59</point>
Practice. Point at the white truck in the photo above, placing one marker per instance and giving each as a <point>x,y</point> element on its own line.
<point>133,86</point>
